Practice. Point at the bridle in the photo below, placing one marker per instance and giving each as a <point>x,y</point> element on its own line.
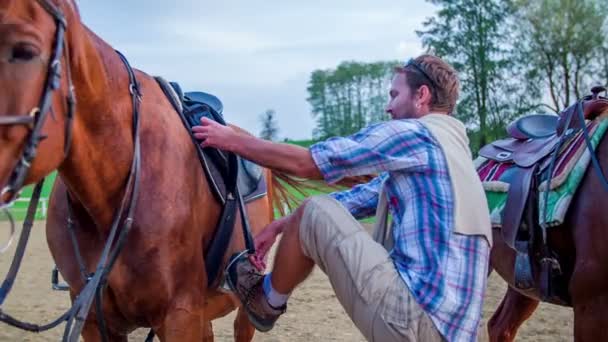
<point>96,282</point>
<point>34,120</point>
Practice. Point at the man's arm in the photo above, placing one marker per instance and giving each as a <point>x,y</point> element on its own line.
<point>396,145</point>
<point>362,200</point>
<point>291,159</point>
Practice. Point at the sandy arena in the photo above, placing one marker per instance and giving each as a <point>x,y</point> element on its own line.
<point>314,313</point>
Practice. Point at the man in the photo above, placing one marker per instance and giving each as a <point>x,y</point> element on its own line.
<point>430,285</point>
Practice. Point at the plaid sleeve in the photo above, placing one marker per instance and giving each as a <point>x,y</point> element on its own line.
<point>387,146</point>
<point>362,200</point>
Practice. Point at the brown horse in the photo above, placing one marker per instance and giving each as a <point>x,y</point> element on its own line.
<point>581,244</point>
<point>159,278</point>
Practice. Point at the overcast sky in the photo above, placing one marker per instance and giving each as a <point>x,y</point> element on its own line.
<point>256,55</point>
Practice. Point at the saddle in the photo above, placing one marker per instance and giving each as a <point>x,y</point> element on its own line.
<point>535,126</point>
<point>198,104</point>
<point>532,147</point>
<point>234,181</point>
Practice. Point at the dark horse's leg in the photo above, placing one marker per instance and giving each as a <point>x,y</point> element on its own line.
<point>589,282</point>
<point>514,309</point>
<point>591,318</point>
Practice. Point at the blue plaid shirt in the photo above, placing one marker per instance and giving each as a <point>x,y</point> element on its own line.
<point>445,271</point>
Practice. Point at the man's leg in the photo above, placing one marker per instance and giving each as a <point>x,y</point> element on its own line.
<point>360,270</point>
<point>291,265</point>
<point>265,299</point>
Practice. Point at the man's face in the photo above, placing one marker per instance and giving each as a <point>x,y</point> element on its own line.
<point>401,104</point>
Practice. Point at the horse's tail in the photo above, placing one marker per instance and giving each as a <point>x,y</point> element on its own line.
<point>287,191</point>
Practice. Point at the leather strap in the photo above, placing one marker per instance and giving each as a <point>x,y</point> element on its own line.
<point>17,120</point>
<point>516,203</point>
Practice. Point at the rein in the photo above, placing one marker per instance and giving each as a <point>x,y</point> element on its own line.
<point>95,283</point>
<point>596,164</point>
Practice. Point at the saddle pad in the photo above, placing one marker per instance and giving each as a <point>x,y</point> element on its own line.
<point>569,169</point>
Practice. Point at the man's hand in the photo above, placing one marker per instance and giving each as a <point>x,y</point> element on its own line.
<point>264,241</point>
<point>213,134</point>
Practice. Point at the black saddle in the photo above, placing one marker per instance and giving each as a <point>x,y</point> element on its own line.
<point>234,181</point>
<point>198,104</point>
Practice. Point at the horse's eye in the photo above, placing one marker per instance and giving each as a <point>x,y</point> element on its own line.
<point>23,53</point>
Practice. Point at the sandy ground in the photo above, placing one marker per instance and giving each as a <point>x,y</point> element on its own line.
<point>314,314</point>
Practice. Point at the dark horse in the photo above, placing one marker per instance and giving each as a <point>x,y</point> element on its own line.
<point>85,108</point>
<point>582,244</point>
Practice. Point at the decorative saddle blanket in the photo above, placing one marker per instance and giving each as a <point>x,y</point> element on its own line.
<point>570,167</point>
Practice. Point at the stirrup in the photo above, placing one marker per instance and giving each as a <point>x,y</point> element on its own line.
<point>224,287</point>
<point>523,270</point>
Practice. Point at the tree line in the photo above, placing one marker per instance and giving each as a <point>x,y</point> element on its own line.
<point>347,98</point>
<point>513,57</point>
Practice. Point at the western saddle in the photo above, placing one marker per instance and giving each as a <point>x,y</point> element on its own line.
<point>532,147</point>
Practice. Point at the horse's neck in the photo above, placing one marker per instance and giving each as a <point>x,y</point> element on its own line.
<point>98,164</point>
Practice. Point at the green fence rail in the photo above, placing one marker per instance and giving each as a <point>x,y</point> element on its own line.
<point>19,208</point>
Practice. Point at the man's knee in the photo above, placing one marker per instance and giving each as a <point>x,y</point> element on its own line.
<point>323,208</point>
<point>323,221</point>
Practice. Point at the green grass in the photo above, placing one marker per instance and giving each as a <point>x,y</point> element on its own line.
<point>303,143</point>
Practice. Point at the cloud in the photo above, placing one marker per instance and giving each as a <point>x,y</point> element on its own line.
<point>256,55</point>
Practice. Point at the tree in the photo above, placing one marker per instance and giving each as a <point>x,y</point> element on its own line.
<point>565,42</point>
<point>346,99</point>
<point>474,36</point>
<point>603,59</point>
<point>270,129</point>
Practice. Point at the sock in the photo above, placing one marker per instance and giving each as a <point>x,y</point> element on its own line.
<point>274,298</point>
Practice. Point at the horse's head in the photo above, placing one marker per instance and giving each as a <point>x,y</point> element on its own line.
<point>36,97</point>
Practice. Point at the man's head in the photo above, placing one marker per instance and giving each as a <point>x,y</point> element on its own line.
<point>423,85</point>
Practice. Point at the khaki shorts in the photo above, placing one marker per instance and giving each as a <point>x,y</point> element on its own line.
<point>362,274</point>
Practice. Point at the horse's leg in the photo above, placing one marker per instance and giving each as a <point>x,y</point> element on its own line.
<point>514,309</point>
<point>208,327</point>
<point>90,333</point>
<point>591,319</point>
<point>243,329</point>
<point>589,286</point>
<point>182,324</point>
<point>63,253</point>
